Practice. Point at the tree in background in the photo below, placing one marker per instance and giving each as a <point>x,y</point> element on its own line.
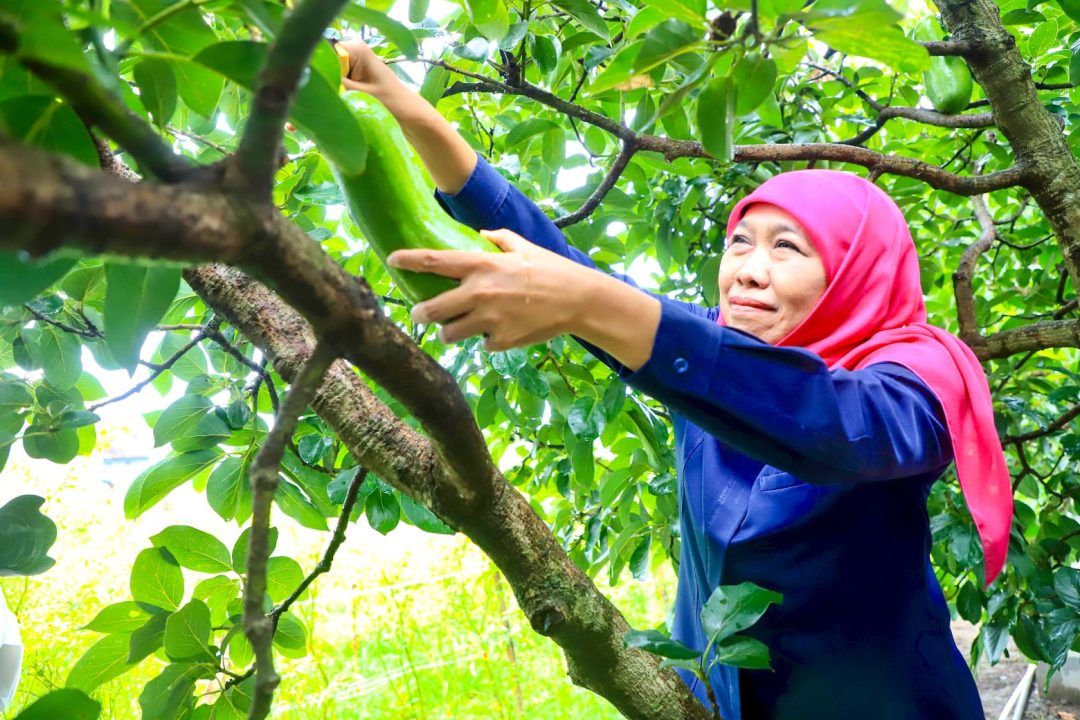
<point>146,185</point>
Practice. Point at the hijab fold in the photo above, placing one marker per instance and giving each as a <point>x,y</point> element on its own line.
<point>872,311</point>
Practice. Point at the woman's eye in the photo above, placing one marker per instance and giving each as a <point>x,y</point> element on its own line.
<point>739,238</point>
<point>788,244</point>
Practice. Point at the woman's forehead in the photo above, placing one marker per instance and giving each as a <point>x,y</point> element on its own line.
<point>770,219</point>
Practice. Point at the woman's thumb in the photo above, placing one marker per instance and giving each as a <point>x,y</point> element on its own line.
<point>506,240</point>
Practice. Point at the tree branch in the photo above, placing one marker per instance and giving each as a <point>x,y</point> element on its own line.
<point>553,593</point>
<point>965,296</point>
<point>1050,429</point>
<point>331,549</point>
<point>287,61</point>
<point>612,177</point>
<point>99,107</point>
<point>265,468</point>
<point>153,375</point>
<point>839,152</point>
<point>1037,336</point>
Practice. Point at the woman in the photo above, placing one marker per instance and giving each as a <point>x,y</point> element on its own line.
<point>813,410</point>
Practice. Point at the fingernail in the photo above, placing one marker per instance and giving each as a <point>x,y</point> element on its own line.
<point>392,261</point>
<point>417,314</point>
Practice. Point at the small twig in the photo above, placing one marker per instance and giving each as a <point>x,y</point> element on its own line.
<point>258,627</point>
<point>88,334</point>
<point>331,549</point>
<point>1050,429</point>
<point>621,161</point>
<point>157,370</point>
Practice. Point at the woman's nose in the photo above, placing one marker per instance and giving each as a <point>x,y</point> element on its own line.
<point>754,270</point>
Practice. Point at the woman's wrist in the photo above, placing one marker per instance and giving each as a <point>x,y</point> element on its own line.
<point>616,317</point>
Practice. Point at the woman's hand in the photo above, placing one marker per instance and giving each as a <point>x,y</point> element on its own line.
<point>522,296</point>
<point>367,72</point>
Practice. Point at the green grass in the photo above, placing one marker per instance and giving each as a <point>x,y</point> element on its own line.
<point>406,626</point>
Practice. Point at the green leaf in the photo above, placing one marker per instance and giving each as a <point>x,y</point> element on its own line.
<point>518,134</point>
<point>709,279</point>
<point>283,576</point>
<point>317,108</point>
<point>187,633</point>
<point>183,34</point>
<point>866,28</point>
<point>208,432</point>
<point>156,579</point>
<point>58,446</point>
<point>969,603</point>
<point>755,77</point>
<point>22,279</point>
<point>228,491</point>
<point>217,592</point>
<point>417,10</point>
<point>105,660</point>
<point>157,89</point>
<point>1071,8</point>
<point>419,516</point>
<point>733,608</point>
<point>57,352</point>
<point>532,381</point>
<point>158,481</point>
<point>544,52</point>
<point>586,418</point>
<point>382,509</point>
<point>296,505</point>
<point>194,549</point>
<point>42,35</point>
<point>389,28</point>
<point>691,11</point>
<point>291,636</point>
<point>657,643</point>
<point>179,417</point>
<point>67,704</point>
<point>171,692</point>
<point>26,535</point>
<point>667,40</point>
<point>716,118</point>
<point>121,617</point>
<point>585,13</point>
<point>147,639</point>
<point>240,549</point>
<point>639,559</point>
<point>743,652</point>
<point>1067,587</point>
<point>48,124</point>
<point>136,297</point>
<point>490,17</point>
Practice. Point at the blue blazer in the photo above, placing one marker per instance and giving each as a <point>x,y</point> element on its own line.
<point>806,481</point>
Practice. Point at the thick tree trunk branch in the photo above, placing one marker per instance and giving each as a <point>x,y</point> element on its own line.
<point>1050,172</point>
<point>257,157</point>
<point>558,598</point>
<point>1037,336</point>
<point>46,201</point>
<point>258,627</point>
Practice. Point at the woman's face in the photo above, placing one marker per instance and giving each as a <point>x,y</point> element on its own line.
<point>771,275</point>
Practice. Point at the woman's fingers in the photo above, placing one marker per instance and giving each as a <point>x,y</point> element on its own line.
<point>450,263</point>
<point>463,328</point>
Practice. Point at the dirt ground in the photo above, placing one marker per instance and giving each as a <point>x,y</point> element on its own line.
<point>997,683</point>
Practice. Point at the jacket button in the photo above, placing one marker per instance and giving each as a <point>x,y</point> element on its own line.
<point>681,365</point>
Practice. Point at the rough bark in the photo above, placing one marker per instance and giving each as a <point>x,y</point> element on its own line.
<point>1048,168</point>
<point>559,600</point>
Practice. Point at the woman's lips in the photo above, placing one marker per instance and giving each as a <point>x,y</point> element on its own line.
<point>749,305</point>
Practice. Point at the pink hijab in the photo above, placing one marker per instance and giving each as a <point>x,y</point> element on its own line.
<point>872,311</point>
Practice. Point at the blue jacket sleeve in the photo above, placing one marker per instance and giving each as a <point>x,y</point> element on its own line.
<point>488,201</point>
<point>784,407</point>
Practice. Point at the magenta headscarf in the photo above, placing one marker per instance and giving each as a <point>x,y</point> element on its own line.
<point>872,311</point>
